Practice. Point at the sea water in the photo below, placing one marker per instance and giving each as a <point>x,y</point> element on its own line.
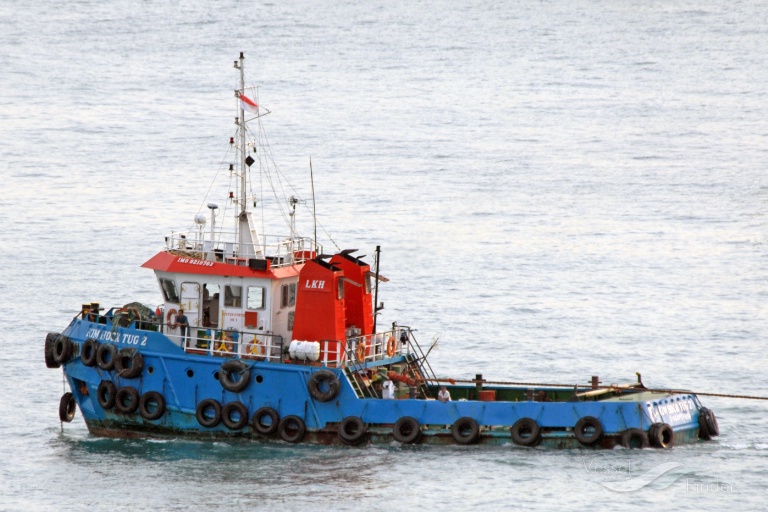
<point>560,190</point>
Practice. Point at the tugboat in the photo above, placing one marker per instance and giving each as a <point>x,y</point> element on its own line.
<point>268,338</point>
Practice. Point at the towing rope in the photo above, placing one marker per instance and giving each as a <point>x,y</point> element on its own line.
<point>612,388</point>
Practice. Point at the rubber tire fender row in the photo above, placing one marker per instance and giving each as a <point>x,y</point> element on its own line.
<point>526,432</point>
<point>322,379</point>
<point>129,363</point>
<point>465,430</point>
<point>88,352</point>
<point>234,415</point>
<point>145,405</point>
<point>291,429</point>
<point>67,407</point>
<point>352,430</point>
<point>105,356</point>
<point>62,349</point>
<point>634,438</point>
<point>406,430</point>
<point>708,427</point>
<point>227,374</point>
<point>257,422</point>
<point>106,395</point>
<point>588,430</point>
<point>661,435</point>
<point>127,400</point>
<point>209,405</point>
<point>50,340</point>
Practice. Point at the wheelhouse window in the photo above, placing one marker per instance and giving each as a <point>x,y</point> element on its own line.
<point>288,295</point>
<point>169,291</point>
<point>256,296</point>
<point>233,296</point>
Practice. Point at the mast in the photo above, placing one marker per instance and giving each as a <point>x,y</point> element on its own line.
<point>241,130</point>
<point>246,235</point>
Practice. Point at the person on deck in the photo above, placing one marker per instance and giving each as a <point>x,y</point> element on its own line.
<point>183,324</point>
<point>444,395</point>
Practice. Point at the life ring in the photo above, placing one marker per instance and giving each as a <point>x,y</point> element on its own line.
<point>62,349</point>
<point>708,427</point>
<point>208,413</point>
<point>105,356</point>
<point>525,432</point>
<point>291,429</point>
<point>661,435</point>
<point>127,400</point>
<point>588,430</point>
<point>234,375</point>
<point>50,341</point>
<point>129,363</point>
<point>634,438</point>
<point>234,415</point>
<point>171,313</point>
<point>88,353</point>
<point>320,380</point>
<point>406,430</point>
<point>391,346</point>
<point>151,405</point>
<point>105,394</point>
<point>362,347</point>
<point>67,407</point>
<point>465,430</point>
<point>352,430</point>
<point>257,348</point>
<point>262,427</point>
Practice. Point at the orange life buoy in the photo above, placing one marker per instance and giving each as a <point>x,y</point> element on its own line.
<point>362,347</point>
<point>257,348</point>
<point>391,346</point>
<point>171,313</point>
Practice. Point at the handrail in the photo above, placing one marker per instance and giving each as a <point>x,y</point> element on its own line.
<point>280,250</point>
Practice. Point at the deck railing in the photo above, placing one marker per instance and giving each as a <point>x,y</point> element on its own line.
<point>280,250</point>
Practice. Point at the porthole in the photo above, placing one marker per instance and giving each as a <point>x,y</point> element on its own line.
<point>190,373</point>
<point>150,370</point>
<point>259,379</point>
<point>216,375</point>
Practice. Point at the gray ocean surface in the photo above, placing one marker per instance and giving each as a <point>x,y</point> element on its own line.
<point>560,190</point>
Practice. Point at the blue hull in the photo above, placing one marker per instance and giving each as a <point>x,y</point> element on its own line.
<point>276,391</point>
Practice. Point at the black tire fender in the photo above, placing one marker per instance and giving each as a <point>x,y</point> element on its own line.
<point>105,395</point>
<point>62,349</point>
<point>708,427</point>
<point>88,352</point>
<point>406,430</point>
<point>145,405</point>
<point>105,357</point>
<point>234,415</point>
<point>258,424</point>
<point>352,430</point>
<point>127,400</point>
<point>291,429</point>
<point>129,363</point>
<point>50,340</point>
<point>588,430</point>
<point>526,432</point>
<point>230,369</point>
<point>465,430</point>
<point>634,438</point>
<point>208,413</point>
<point>67,407</point>
<point>661,435</point>
<point>320,380</point>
